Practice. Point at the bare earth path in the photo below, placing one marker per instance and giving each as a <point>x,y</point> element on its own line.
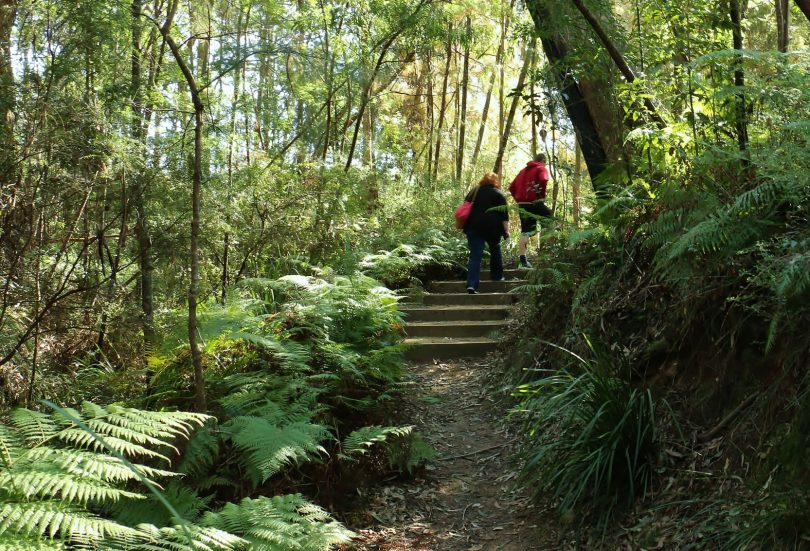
<point>468,498</point>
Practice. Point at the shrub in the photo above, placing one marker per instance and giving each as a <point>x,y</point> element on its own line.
<point>593,438</point>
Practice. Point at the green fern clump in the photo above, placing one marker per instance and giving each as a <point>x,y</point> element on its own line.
<point>267,448</point>
<point>58,470</point>
<point>280,523</point>
<point>407,264</point>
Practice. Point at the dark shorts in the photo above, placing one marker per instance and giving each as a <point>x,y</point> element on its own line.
<point>529,214</point>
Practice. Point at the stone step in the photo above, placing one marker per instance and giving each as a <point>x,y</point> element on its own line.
<point>483,286</point>
<point>515,273</point>
<point>458,329</point>
<point>443,349</point>
<point>464,299</point>
<point>454,313</point>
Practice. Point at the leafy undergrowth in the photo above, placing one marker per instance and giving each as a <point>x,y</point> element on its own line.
<point>663,352</point>
<point>664,407</point>
<point>300,374</point>
<point>435,256</point>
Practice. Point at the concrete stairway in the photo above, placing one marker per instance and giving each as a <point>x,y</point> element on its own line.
<point>449,323</point>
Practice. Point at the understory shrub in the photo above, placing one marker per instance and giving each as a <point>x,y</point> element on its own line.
<point>101,478</point>
<point>292,365</point>
<point>592,437</point>
<point>434,254</point>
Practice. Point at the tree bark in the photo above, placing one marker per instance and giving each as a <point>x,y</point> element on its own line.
<point>443,106</point>
<point>8,14</point>
<point>741,122</point>
<point>575,193</point>
<point>556,51</point>
<point>531,106</point>
<point>137,131</point>
<point>507,128</point>
<point>196,191</point>
<point>782,24</point>
<point>501,70</point>
<point>465,79</point>
<point>226,239</point>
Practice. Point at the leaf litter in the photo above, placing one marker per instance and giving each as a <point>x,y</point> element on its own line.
<point>466,500</point>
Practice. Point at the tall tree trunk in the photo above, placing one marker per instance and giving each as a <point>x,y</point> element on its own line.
<point>507,128</point>
<point>484,115</point>
<point>430,115</point>
<point>443,105</point>
<point>556,51</point>
<point>782,24</point>
<point>465,79</point>
<point>8,14</point>
<point>741,122</point>
<point>196,191</point>
<point>502,71</point>
<point>365,96</point>
<point>498,63</point>
<point>531,104</point>
<point>575,193</point>
<point>299,103</point>
<point>137,131</point>
<point>237,82</point>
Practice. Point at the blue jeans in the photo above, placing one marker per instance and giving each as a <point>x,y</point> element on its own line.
<point>476,243</point>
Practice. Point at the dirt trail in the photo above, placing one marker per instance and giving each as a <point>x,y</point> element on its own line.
<point>466,500</point>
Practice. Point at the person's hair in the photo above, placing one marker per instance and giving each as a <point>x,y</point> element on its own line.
<point>540,157</point>
<point>490,179</point>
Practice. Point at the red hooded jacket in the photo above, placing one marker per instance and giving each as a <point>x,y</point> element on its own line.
<point>530,183</point>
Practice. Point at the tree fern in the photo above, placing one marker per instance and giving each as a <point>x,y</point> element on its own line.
<point>280,523</point>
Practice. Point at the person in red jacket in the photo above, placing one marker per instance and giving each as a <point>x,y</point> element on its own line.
<point>529,192</point>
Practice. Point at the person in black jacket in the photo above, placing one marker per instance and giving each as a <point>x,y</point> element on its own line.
<point>488,223</point>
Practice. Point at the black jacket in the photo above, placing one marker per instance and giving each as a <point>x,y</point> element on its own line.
<point>488,213</point>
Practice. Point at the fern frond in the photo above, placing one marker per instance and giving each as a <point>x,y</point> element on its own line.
<point>176,538</point>
<point>45,482</point>
<point>82,439</point>
<point>53,471</point>
<point>280,523</point>
<point>290,354</point>
<point>200,455</point>
<point>10,446</point>
<point>91,464</point>
<point>363,439</point>
<point>52,519</point>
<point>794,278</point>
<point>186,502</point>
<point>130,432</point>
<point>34,426</point>
<point>269,448</point>
<point>12,542</point>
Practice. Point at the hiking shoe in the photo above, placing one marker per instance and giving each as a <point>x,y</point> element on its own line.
<point>471,291</point>
<point>525,264</point>
<point>502,278</point>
